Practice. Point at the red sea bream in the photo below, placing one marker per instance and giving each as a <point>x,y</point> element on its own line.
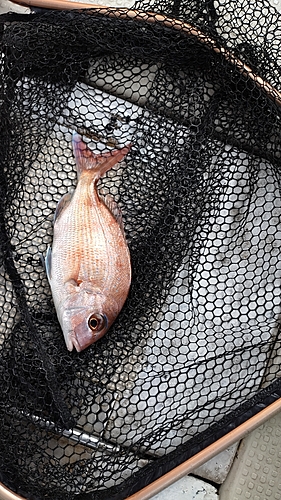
<point>88,267</point>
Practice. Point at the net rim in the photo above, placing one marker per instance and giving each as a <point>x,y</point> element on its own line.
<point>7,494</point>
<point>172,23</point>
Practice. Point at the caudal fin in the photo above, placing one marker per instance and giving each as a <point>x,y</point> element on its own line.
<point>99,163</point>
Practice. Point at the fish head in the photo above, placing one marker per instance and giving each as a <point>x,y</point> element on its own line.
<point>86,326</point>
<point>86,318</point>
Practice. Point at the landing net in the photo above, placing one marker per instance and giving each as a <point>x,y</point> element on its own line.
<point>196,349</point>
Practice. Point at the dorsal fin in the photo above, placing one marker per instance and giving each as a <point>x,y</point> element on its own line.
<point>112,205</point>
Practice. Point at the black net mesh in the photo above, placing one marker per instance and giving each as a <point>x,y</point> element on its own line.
<point>195,349</point>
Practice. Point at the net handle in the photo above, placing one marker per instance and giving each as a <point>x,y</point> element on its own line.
<point>192,463</point>
<point>153,18</point>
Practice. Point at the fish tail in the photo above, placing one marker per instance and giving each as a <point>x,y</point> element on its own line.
<point>97,163</point>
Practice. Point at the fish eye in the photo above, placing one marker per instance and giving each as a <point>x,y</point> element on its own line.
<point>97,322</point>
<point>93,323</point>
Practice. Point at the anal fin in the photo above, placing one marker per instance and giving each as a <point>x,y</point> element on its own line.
<point>64,201</point>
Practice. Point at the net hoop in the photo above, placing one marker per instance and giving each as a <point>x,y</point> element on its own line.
<point>152,18</point>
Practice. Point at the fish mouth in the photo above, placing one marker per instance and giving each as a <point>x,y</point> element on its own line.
<point>69,343</point>
<point>74,342</point>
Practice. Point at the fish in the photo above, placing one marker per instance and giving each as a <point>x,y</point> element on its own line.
<point>88,265</point>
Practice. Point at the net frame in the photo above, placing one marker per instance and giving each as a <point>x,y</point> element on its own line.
<point>153,17</point>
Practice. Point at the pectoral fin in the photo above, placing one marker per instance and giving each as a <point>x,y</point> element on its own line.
<point>112,205</point>
<point>48,262</point>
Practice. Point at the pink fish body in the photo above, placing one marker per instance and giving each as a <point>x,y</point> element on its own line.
<point>88,267</point>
